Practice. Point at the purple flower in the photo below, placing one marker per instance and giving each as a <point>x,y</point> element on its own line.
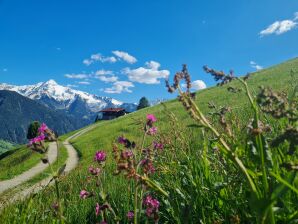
<point>152,205</point>
<point>151,118</point>
<point>149,211</point>
<point>158,145</point>
<point>128,153</point>
<point>43,127</point>
<point>130,215</point>
<point>149,201</point>
<point>152,131</point>
<point>97,209</point>
<point>100,156</point>
<point>148,166</point>
<point>84,194</point>
<point>94,171</point>
<point>37,139</point>
<point>122,140</point>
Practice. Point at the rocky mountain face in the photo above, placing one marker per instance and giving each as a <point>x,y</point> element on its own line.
<point>83,106</point>
<point>17,112</point>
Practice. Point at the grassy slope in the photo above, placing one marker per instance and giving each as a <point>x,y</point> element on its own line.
<point>278,77</point>
<point>21,160</point>
<point>5,146</point>
<point>62,156</point>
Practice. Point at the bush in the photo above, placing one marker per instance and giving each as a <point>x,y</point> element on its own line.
<point>33,130</point>
<point>143,103</point>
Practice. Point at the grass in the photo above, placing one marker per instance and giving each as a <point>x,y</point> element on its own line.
<point>203,186</point>
<point>61,159</point>
<point>5,146</point>
<point>21,160</point>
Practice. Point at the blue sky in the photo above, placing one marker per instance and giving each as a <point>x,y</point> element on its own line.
<point>135,44</point>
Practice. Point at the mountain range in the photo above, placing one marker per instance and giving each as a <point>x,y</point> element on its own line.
<point>17,112</point>
<point>75,108</point>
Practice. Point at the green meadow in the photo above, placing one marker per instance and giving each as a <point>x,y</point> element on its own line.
<point>202,184</point>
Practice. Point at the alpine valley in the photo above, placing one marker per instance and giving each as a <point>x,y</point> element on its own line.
<point>73,108</point>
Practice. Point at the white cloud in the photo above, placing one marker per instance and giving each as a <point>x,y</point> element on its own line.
<point>103,72</point>
<point>197,85</point>
<point>98,57</point>
<point>280,27</point>
<point>87,62</point>
<point>120,87</point>
<point>108,79</point>
<point>109,59</point>
<point>153,65</point>
<point>84,83</point>
<point>295,16</point>
<point>125,56</point>
<point>148,75</point>
<point>255,65</point>
<point>71,86</point>
<point>76,76</point>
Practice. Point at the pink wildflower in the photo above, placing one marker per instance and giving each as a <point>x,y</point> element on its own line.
<point>148,166</point>
<point>152,131</point>
<point>100,156</point>
<point>130,215</point>
<point>43,127</point>
<point>151,118</point>
<point>97,209</point>
<point>37,139</point>
<point>158,145</point>
<point>152,206</point>
<point>128,153</point>
<point>122,140</point>
<point>94,171</point>
<point>84,194</point>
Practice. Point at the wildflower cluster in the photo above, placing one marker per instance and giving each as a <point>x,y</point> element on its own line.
<point>44,134</point>
<point>149,128</point>
<point>137,164</point>
<point>129,159</point>
<point>96,170</point>
<point>151,204</point>
<point>264,181</point>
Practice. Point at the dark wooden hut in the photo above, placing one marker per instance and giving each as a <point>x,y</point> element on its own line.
<point>111,113</point>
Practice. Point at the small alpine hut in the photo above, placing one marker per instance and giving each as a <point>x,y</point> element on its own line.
<point>111,113</point>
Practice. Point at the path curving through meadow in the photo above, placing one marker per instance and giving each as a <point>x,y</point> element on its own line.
<point>27,175</point>
<point>71,163</point>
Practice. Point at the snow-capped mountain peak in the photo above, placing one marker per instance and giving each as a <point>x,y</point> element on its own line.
<point>54,95</point>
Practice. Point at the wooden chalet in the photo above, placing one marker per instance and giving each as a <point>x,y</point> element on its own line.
<point>111,113</point>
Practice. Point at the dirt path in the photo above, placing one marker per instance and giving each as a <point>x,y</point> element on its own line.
<point>71,162</point>
<point>27,175</point>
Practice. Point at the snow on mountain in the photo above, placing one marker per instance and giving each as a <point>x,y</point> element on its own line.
<point>54,95</point>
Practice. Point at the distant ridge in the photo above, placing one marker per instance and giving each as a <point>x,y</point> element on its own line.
<point>83,106</point>
<point>17,112</point>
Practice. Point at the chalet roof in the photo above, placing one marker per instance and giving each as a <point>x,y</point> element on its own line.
<point>112,110</point>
